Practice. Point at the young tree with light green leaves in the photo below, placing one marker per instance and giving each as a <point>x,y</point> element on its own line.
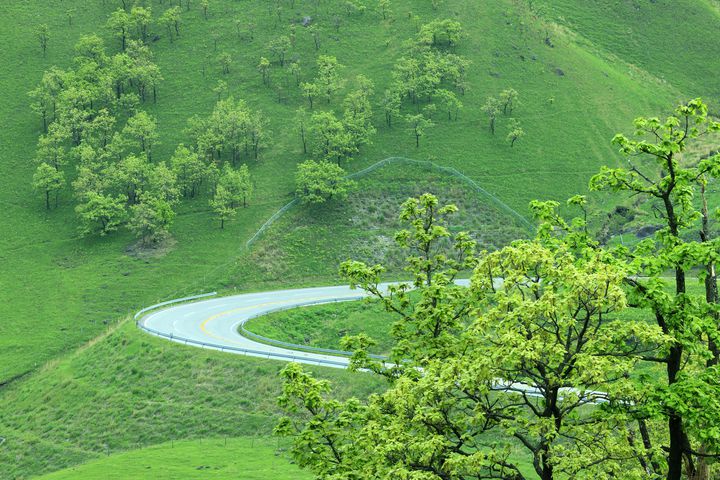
<point>100,213</point>
<point>189,170</point>
<point>683,407</point>
<point>329,138</point>
<point>43,36</point>
<point>120,24</point>
<point>150,219</point>
<point>279,47</point>
<point>328,78</point>
<point>418,124</point>
<point>491,108</point>
<point>223,205</point>
<point>49,181</point>
<point>319,182</point>
<point>515,131</point>
<point>522,358</point>
<point>509,100</point>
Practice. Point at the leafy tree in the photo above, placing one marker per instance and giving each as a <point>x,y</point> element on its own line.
<point>100,213</point>
<point>515,131</point>
<point>391,105</point>
<point>328,79</point>
<point>686,399</point>
<point>418,125</point>
<point>225,60</point>
<point>302,125</point>
<point>43,35</point>
<point>440,31</point>
<point>120,23</point>
<point>222,204</point>
<point>205,5</point>
<point>449,102</point>
<point>237,184</point>
<point>141,17</point>
<point>150,219</point>
<point>329,138</point>
<point>384,6</point>
<point>491,108</point>
<point>508,98</point>
<point>171,19</point>
<point>295,70</point>
<point>141,129</point>
<point>264,69</point>
<point>221,89</point>
<point>279,47</point>
<point>318,182</point>
<point>189,170</point>
<point>537,319</point>
<point>48,180</point>
<point>51,147</point>
<point>310,91</point>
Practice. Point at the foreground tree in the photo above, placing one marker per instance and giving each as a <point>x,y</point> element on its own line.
<point>100,213</point>
<point>223,204</point>
<point>675,187</point>
<point>318,182</point>
<point>522,357</point>
<point>515,132</point>
<point>491,108</point>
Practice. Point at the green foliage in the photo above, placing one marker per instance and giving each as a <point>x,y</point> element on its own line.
<point>151,218</point>
<point>515,131</point>
<point>223,204</point>
<point>48,180</point>
<point>101,213</point>
<point>318,182</point>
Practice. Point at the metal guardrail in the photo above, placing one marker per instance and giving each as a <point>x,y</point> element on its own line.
<point>277,343</point>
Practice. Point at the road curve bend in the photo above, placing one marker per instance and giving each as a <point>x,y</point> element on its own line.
<point>214,324</point>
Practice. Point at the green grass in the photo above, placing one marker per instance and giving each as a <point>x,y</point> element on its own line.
<point>221,459</point>
<point>324,326</point>
<point>58,291</point>
<point>129,390</point>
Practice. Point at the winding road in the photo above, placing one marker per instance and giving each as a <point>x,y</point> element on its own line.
<point>214,323</point>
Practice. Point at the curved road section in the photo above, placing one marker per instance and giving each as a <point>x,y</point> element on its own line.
<point>214,324</point>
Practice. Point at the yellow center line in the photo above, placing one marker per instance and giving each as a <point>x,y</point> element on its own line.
<point>203,325</point>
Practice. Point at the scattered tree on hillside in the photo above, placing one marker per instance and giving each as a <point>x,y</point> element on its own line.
<point>328,79</point>
<point>120,23</point>
<point>141,131</point>
<point>508,98</point>
<point>515,131</point>
<point>264,69</point>
<point>43,35</point>
<point>171,20</point>
<point>237,183</point>
<point>225,60</point>
<point>222,204</point>
<point>205,5</point>
<point>279,48</point>
<point>384,6</point>
<point>189,170</point>
<point>49,181</point>
<point>150,219</point>
<point>310,91</point>
<point>220,89</point>
<point>438,32</point>
<point>318,182</point>
<point>449,102</point>
<point>302,123</point>
<point>141,17</point>
<point>101,213</point>
<point>295,70</point>
<point>329,138</point>
<point>491,108</point>
<point>418,125</point>
<point>391,105</point>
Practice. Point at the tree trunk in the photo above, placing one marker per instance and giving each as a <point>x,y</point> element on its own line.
<point>47,199</point>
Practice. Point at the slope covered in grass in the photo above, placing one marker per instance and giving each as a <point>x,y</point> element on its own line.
<point>129,390</point>
<point>220,459</point>
<point>63,288</point>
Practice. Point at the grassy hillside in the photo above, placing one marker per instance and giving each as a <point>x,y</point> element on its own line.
<point>64,288</point>
<point>57,291</point>
<point>129,390</point>
<point>246,458</point>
